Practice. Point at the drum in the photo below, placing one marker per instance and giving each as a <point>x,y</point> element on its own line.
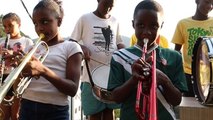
<point>99,81</point>
<point>100,77</point>
<point>202,78</point>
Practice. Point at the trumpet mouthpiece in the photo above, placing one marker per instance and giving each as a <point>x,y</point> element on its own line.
<point>41,36</point>
<point>145,40</point>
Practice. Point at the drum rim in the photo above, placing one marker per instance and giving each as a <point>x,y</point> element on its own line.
<point>99,94</point>
<point>97,91</point>
<point>93,71</point>
<point>196,83</point>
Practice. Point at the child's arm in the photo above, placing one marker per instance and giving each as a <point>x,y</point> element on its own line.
<point>170,92</point>
<point>69,85</point>
<point>125,90</point>
<point>86,51</point>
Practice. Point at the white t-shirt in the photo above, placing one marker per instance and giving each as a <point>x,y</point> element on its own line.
<point>101,36</point>
<point>42,90</point>
<point>18,44</point>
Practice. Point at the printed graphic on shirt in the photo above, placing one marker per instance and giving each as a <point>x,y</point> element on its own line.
<point>103,39</point>
<point>194,33</point>
<point>16,47</point>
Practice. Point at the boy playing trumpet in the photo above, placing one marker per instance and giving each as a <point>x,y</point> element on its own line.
<point>127,67</point>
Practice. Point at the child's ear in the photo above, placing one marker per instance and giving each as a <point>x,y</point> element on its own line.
<point>59,22</point>
<point>133,24</point>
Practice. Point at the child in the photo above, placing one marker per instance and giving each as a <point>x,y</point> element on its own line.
<point>186,34</point>
<point>47,97</point>
<point>12,23</point>
<point>127,67</point>
<point>99,33</point>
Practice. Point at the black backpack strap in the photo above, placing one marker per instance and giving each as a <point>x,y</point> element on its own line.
<point>88,71</point>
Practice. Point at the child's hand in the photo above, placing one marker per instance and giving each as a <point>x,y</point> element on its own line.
<point>141,69</point>
<point>6,52</point>
<point>16,58</point>
<point>12,58</point>
<point>6,60</point>
<point>33,68</point>
<point>6,56</point>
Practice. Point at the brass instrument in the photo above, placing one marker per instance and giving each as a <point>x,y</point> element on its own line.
<point>149,100</point>
<point>11,78</point>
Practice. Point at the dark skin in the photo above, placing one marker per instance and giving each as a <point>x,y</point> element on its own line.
<point>48,24</point>
<point>12,27</point>
<point>104,8</point>
<point>201,13</point>
<point>103,11</point>
<point>147,24</point>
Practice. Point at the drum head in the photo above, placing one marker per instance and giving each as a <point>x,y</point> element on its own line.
<point>202,70</point>
<point>100,76</point>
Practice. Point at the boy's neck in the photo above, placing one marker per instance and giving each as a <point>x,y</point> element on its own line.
<point>199,16</point>
<point>97,13</point>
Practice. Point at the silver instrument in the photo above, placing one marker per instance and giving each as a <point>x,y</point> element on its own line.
<point>24,82</point>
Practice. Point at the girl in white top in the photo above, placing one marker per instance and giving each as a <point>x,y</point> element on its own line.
<point>47,97</point>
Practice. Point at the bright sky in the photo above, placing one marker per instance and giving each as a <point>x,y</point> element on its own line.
<point>123,11</point>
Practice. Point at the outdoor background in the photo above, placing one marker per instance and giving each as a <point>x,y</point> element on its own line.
<point>123,11</point>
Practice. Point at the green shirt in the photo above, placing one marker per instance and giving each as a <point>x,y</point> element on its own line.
<point>120,72</point>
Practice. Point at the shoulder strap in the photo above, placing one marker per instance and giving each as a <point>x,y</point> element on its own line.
<point>88,71</point>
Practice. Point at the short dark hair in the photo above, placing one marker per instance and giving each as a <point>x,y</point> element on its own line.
<point>12,16</point>
<point>149,5</point>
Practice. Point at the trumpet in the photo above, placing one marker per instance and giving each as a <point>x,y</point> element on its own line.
<point>12,77</point>
<point>149,110</point>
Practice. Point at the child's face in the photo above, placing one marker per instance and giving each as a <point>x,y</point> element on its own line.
<point>204,6</point>
<point>105,6</point>
<point>147,24</point>
<point>45,22</point>
<point>11,26</point>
